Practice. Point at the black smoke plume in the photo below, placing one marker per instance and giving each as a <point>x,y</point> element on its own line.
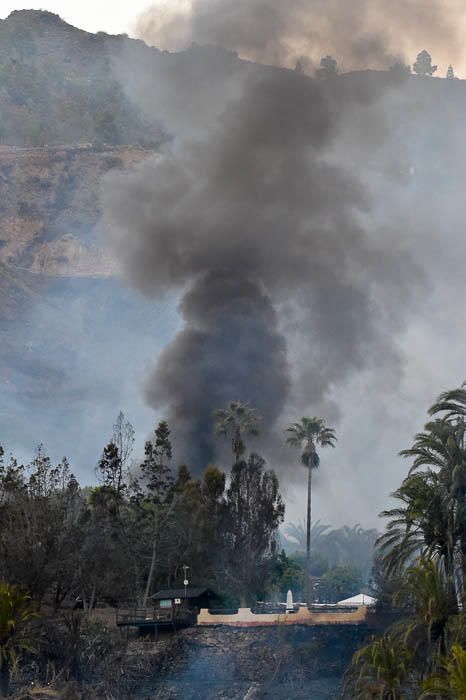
<point>251,217</point>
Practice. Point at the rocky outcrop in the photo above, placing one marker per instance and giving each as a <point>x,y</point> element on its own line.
<point>50,208</point>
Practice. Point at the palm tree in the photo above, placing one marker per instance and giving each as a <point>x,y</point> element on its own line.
<point>15,613</point>
<point>427,593</point>
<point>307,434</point>
<point>449,680</point>
<point>381,670</point>
<point>434,494</point>
<point>419,525</point>
<point>297,532</point>
<point>452,403</point>
<point>238,419</point>
<point>352,546</point>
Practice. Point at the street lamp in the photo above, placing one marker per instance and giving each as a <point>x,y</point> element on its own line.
<point>185,582</point>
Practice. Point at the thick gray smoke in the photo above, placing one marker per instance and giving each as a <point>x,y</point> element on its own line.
<point>251,216</point>
<point>360,33</point>
<point>230,347</point>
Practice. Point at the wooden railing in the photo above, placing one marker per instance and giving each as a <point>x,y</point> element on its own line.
<point>144,616</point>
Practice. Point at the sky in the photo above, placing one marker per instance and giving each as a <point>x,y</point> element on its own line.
<point>92,15</point>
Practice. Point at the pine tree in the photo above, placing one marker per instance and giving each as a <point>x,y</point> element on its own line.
<point>450,73</point>
<point>155,468</point>
<point>299,68</point>
<point>328,68</point>
<point>159,483</point>
<point>111,470</point>
<point>423,65</point>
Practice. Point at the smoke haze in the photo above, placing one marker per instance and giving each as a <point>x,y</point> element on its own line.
<point>360,33</point>
<point>255,214</point>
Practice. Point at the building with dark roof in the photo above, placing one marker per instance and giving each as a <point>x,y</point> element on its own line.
<point>179,598</point>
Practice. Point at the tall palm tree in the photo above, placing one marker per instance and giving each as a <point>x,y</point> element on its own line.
<point>237,419</point>
<point>15,613</point>
<point>307,434</point>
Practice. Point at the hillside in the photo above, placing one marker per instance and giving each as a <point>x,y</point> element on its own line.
<point>49,203</point>
<point>62,85</point>
<point>56,87</point>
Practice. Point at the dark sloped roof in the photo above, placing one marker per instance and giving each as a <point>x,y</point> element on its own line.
<point>179,593</point>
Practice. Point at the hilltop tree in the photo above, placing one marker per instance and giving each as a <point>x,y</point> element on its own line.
<point>423,64</point>
<point>328,68</point>
<point>238,419</point>
<point>299,68</point>
<point>400,69</point>
<point>450,73</point>
<point>307,434</point>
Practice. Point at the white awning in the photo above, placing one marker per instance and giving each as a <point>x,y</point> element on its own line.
<point>361,599</point>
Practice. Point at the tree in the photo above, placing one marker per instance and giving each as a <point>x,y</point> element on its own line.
<point>15,614</point>
<point>423,554</point>
<point>290,575</point>
<point>451,403</point>
<point>307,434</point>
<point>238,419</point>
<point>37,526</point>
<point>450,73</point>
<point>299,68</point>
<point>253,513</point>
<point>155,469</point>
<point>352,546</point>
<point>297,532</point>
<point>433,519</point>
<point>110,468</point>
<point>339,583</point>
<point>381,670</point>
<point>427,593</point>
<point>449,678</point>
<point>400,69</point>
<point>158,482</point>
<point>113,465</point>
<point>328,68</point>
<point>423,64</point>
<point>123,439</point>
